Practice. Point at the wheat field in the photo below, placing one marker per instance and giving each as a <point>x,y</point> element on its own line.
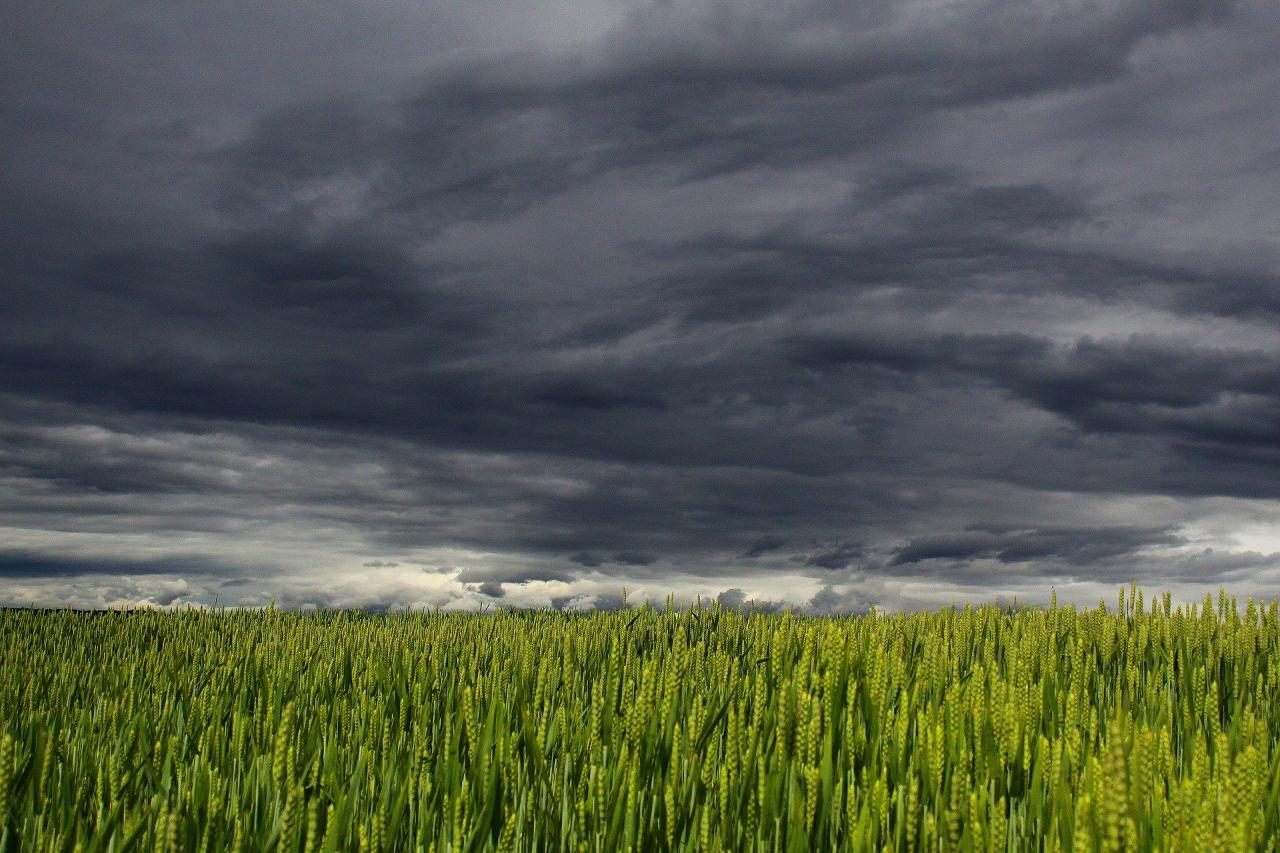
<point>974,729</point>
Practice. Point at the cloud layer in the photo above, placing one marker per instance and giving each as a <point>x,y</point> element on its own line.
<point>901,303</point>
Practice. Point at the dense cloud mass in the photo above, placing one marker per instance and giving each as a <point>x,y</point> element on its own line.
<point>826,305</point>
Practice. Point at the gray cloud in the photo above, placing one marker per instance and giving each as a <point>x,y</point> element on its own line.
<point>1081,547</point>
<point>787,303</point>
<point>737,599</point>
<point>836,558</point>
<point>764,545</point>
<point>492,589</point>
<point>634,558</point>
<point>27,564</point>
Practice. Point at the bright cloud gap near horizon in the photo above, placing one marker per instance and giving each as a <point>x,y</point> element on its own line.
<point>390,305</point>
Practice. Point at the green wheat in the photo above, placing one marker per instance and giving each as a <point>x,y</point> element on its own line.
<point>966,730</point>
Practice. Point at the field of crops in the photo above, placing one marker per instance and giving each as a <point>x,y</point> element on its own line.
<point>978,729</point>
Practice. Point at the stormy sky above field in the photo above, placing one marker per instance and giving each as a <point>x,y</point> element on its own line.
<point>414,304</point>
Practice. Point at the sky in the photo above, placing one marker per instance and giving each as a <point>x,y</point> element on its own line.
<point>407,304</point>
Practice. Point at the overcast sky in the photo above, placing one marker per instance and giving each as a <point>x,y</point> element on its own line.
<point>401,303</point>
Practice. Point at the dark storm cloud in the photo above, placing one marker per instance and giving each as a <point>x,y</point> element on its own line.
<point>670,293</point>
<point>1081,547</point>
<point>25,564</point>
<point>1206,405</point>
<point>836,558</point>
<point>764,545</point>
<point>634,558</point>
<point>681,92</point>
